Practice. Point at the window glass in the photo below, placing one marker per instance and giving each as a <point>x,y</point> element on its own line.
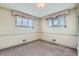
<point>61,21</point>
<point>18,21</point>
<point>55,22</point>
<point>25,22</point>
<point>30,22</point>
<point>58,21</point>
<point>50,22</point>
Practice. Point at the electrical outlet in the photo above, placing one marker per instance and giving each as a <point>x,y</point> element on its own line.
<point>54,40</point>
<point>24,40</point>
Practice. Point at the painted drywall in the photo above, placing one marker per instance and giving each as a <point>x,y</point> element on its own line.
<point>11,35</point>
<point>64,36</point>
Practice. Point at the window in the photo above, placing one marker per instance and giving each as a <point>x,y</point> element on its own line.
<point>20,21</point>
<point>58,21</point>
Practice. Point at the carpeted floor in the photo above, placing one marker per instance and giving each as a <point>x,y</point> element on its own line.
<point>38,48</point>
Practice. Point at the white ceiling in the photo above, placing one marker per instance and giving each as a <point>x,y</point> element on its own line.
<point>31,8</point>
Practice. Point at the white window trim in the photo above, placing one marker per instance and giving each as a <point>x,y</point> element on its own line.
<point>22,22</point>
<point>57,25</point>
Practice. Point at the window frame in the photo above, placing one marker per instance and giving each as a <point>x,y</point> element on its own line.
<point>22,25</point>
<point>58,20</point>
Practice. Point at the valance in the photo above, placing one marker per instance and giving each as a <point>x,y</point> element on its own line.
<point>60,13</point>
<point>21,14</point>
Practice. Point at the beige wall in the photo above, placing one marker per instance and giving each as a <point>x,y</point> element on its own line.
<point>64,36</point>
<point>10,35</point>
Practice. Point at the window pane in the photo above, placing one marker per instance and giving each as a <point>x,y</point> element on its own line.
<point>18,21</point>
<point>25,22</point>
<point>61,21</point>
<point>30,23</point>
<point>55,22</point>
<point>50,22</point>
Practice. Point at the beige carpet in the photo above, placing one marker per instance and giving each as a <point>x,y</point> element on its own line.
<point>38,48</point>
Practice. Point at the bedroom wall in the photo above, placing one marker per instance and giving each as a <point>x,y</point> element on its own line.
<point>63,36</point>
<point>10,35</point>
